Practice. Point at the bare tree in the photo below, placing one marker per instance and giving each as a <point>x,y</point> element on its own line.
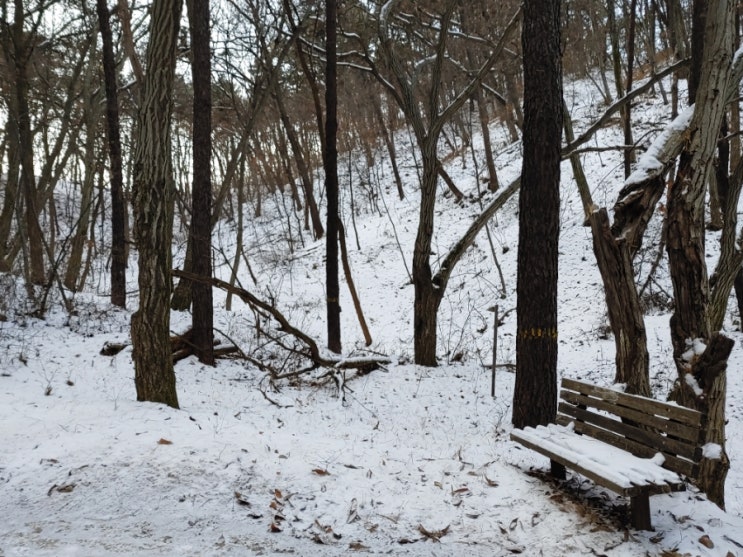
<point>202,322</point>
<point>535,391</point>
<point>118,208</point>
<point>330,162</point>
<point>427,110</point>
<point>153,211</point>
<point>691,323</point>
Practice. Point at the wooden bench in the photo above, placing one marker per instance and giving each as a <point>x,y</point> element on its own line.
<point>630,444</point>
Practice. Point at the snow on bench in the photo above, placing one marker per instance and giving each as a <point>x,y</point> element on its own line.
<point>633,445</point>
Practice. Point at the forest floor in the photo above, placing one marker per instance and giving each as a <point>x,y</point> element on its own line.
<point>404,460</point>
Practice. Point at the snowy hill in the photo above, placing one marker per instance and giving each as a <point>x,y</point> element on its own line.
<point>406,461</point>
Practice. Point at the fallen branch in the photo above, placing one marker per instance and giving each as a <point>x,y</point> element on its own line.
<point>362,364</point>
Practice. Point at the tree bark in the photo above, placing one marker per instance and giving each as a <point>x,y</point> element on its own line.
<point>330,162</point>
<point>614,258</point>
<point>113,135</point>
<point>690,321</point>
<point>427,120</point>
<point>154,376</point>
<point>535,391</point>
<point>202,321</point>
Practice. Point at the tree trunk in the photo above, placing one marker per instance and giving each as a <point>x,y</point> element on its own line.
<point>627,322</point>
<point>12,186</point>
<point>331,180</point>
<point>575,163</point>
<point>91,120</point>
<point>202,321</point>
<point>535,392</point>
<point>686,250</point>
<point>427,295</point>
<point>482,114</point>
<point>304,171</point>
<point>153,203</point>
<point>118,207</point>
<point>389,141</point>
<point>20,111</point>
<point>627,114</point>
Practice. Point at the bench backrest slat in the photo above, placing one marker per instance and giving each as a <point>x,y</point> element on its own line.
<point>645,437</point>
<point>637,424</point>
<point>674,428</point>
<point>674,412</point>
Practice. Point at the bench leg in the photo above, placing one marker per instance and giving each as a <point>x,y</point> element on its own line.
<point>557,470</point>
<point>640,511</point>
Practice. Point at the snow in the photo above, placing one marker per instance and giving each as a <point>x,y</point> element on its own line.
<point>86,470</point>
<point>615,465</point>
<point>712,451</point>
<point>650,161</point>
<point>695,347</point>
<point>692,382</point>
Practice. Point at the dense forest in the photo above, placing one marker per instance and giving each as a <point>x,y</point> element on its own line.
<point>174,158</point>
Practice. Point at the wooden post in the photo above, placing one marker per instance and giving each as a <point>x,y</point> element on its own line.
<point>640,511</point>
<point>557,470</point>
<point>494,309</point>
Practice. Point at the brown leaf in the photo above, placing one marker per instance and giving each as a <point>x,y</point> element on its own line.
<point>706,542</point>
<point>320,472</point>
<point>491,483</point>
<point>357,546</point>
<point>277,494</point>
<point>274,528</point>
<point>164,441</point>
<point>434,535</point>
<point>241,499</point>
<point>64,488</point>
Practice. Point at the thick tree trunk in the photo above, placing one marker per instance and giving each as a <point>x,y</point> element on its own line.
<point>202,321</point>
<point>427,295</point>
<point>627,322</point>
<point>690,322</point>
<point>535,391</point>
<point>153,203</point>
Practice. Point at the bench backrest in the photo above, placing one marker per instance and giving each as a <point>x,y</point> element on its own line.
<point>639,425</point>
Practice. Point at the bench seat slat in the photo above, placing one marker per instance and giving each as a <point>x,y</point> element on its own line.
<point>681,414</point>
<point>608,466</point>
<point>682,466</point>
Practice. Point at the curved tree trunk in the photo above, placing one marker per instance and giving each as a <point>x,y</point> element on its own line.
<point>627,322</point>
<point>427,294</point>
<point>690,323</point>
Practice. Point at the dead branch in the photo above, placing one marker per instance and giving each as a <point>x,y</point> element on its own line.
<point>364,364</point>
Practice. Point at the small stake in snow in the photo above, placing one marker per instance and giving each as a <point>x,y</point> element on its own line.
<point>494,309</point>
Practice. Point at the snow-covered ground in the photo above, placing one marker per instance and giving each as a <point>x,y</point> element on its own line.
<point>409,461</point>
